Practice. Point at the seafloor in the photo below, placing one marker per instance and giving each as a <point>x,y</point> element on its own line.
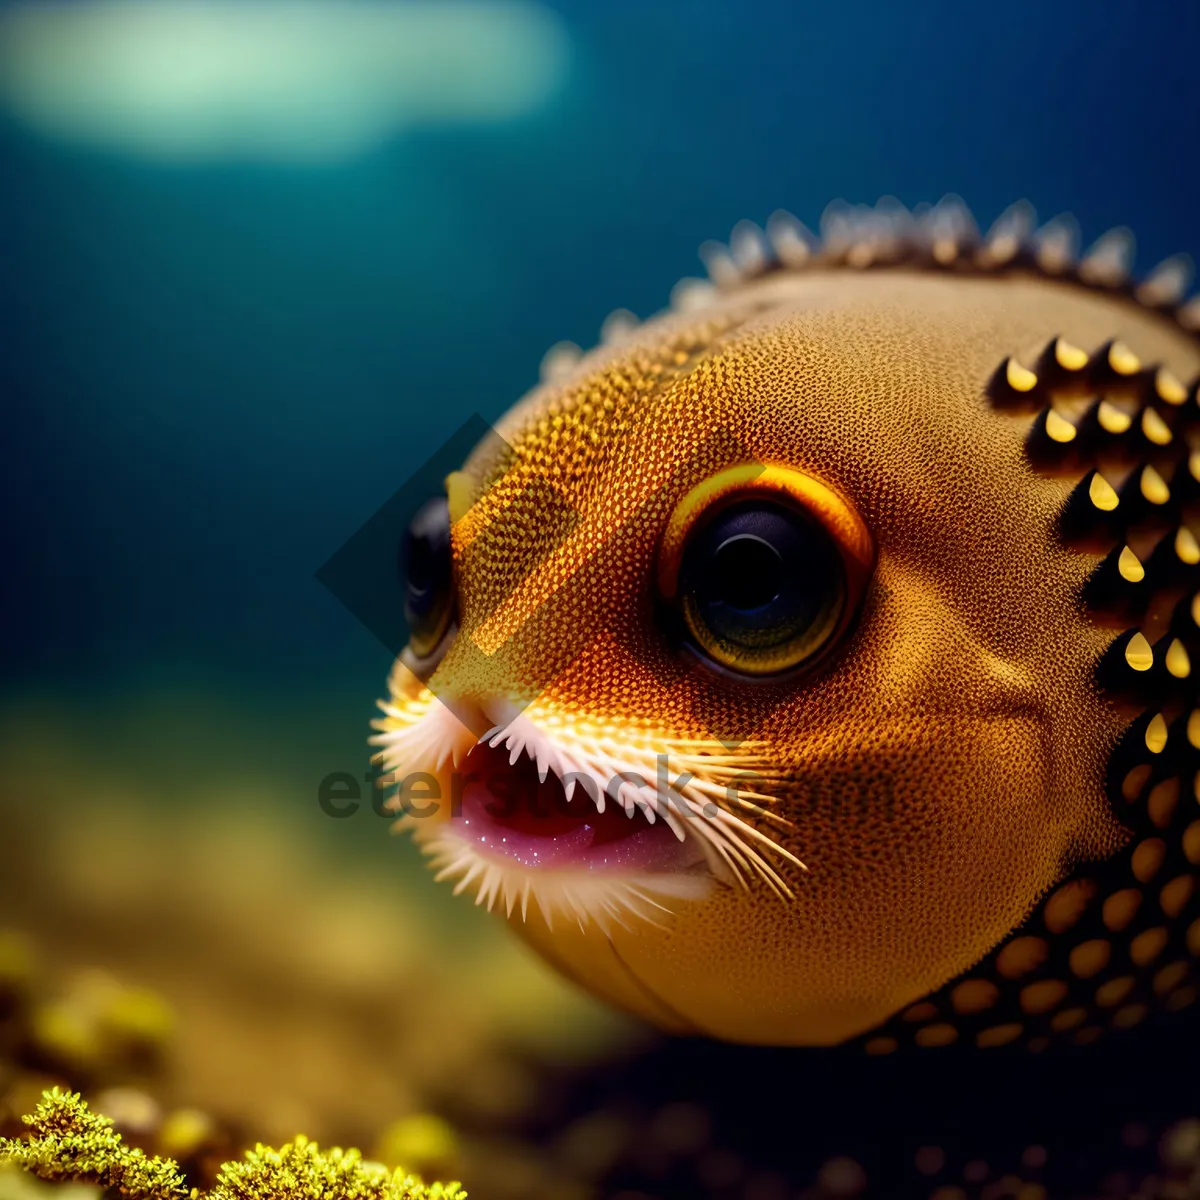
<point>213,964</point>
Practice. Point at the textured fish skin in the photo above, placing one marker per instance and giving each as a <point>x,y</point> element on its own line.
<point>982,802</point>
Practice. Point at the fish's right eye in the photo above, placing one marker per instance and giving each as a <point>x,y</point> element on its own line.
<point>427,570</point>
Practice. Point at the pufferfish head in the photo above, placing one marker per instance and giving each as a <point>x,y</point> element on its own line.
<point>813,662</point>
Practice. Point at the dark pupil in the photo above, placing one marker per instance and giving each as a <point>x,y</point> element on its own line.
<point>759,574</point>
<point>422,567</point>
<point>748,571</point>
<point>426,571</point>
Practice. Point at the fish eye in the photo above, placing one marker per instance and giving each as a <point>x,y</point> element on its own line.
<point>761,586</point>
<point>426,568</point>
<point>765,566</point>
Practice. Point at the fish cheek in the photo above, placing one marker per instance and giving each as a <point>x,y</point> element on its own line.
<point>904,892</point>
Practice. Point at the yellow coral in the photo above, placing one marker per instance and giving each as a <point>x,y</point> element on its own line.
<point>70,1142</point>
<point>302,1171</point>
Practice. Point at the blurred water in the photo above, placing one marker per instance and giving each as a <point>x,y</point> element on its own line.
<point>293,81</point>
<point>214,372</point>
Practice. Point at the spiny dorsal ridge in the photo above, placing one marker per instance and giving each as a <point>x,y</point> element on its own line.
<point>945,236</point>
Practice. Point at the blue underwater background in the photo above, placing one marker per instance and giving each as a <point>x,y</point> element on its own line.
<point>213,371</point>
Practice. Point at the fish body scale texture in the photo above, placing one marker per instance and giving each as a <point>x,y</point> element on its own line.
<point>944,768</point>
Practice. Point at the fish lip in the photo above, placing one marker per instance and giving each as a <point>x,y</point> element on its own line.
<point>606,899</point>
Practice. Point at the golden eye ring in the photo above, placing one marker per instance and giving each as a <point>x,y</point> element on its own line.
<point>766,566</point>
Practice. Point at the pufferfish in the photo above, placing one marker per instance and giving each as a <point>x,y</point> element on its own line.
<point>816,661</point>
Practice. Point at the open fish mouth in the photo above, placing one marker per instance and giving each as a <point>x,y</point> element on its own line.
<point>511,808</point>
<point>531,826</point>
<point>574,817</point>
<point>518,840</point>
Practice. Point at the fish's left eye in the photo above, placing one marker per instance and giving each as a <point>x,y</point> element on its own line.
<point>765,566</point>
<point>426,567</point>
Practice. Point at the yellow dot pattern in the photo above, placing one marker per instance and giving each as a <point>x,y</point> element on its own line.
<point>1119,940</point>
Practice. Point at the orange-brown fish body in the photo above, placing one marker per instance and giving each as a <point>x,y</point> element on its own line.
<point>921,787</point>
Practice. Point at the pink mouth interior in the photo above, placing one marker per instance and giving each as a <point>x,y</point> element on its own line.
<point>509,812</point>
